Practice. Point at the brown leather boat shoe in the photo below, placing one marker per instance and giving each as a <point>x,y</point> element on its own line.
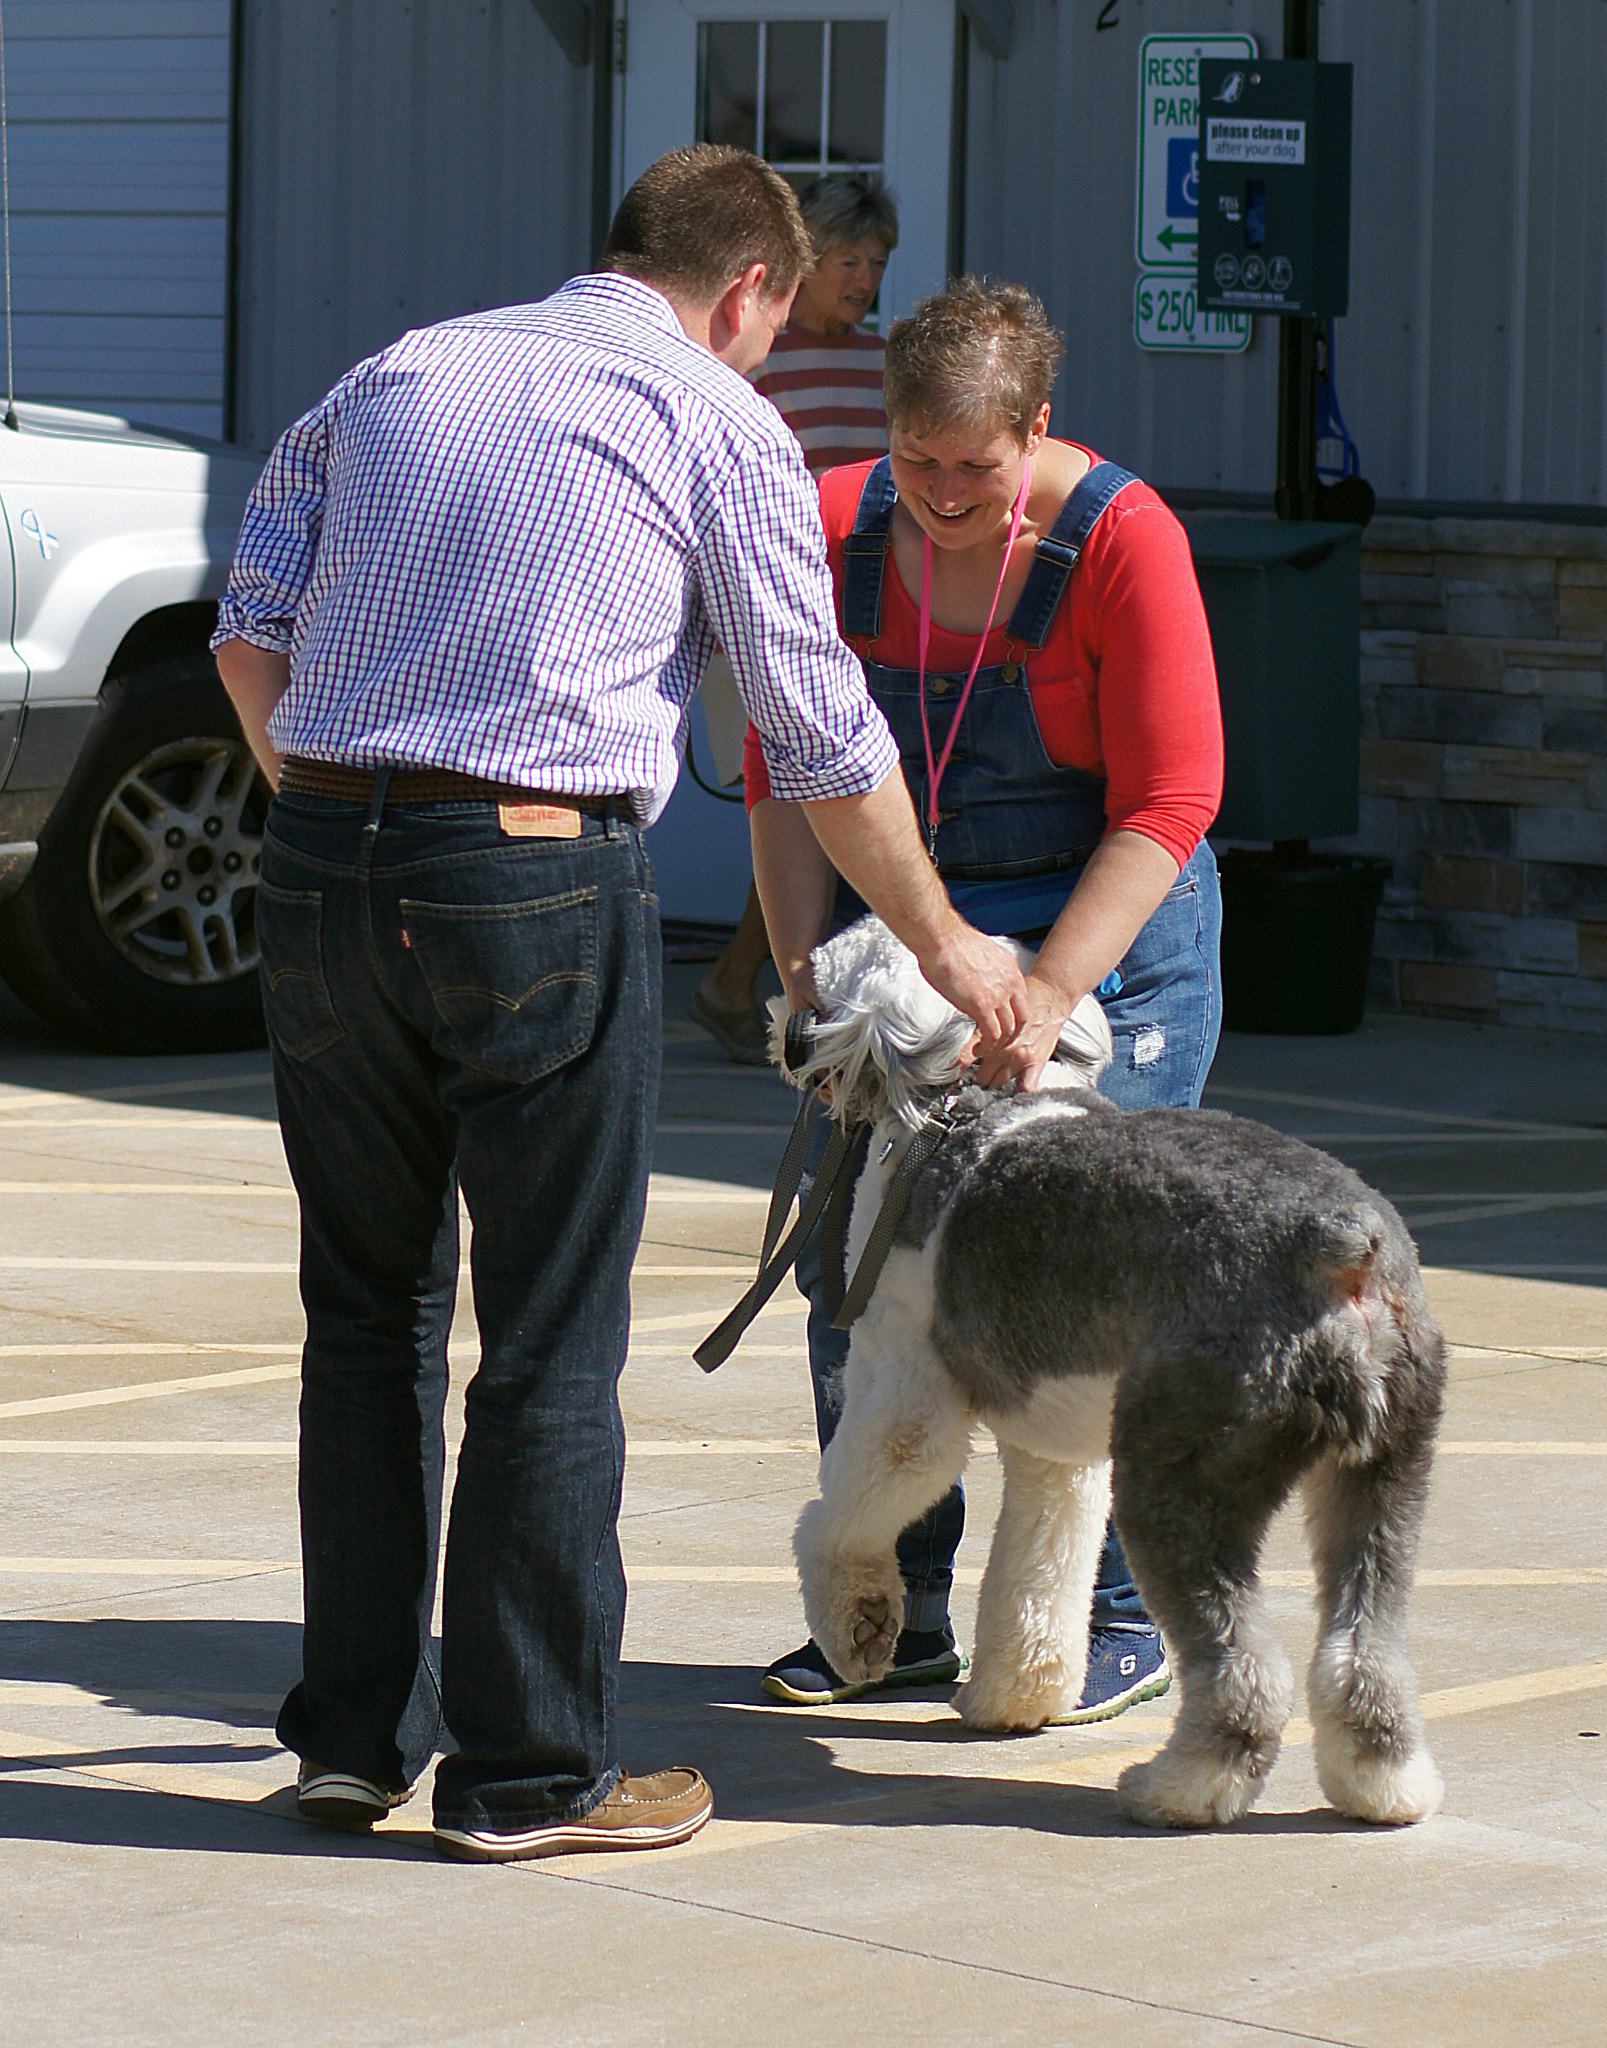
<point>639,1813</point>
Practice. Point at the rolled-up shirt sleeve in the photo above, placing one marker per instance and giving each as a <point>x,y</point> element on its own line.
<point>767,589</point>
<point>273,557</point>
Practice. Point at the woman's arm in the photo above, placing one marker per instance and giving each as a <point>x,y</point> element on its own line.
<point>1121,888</point>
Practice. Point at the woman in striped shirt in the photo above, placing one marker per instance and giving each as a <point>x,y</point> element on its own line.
<point>824,376</point>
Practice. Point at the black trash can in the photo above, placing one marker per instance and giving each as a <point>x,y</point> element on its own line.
<point>1297,939</point>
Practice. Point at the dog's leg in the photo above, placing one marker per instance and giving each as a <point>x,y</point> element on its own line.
<point>1367,1733</point>
<point>900,1444</point>
<point>1193,1551</point>
<point>1031,1649</point>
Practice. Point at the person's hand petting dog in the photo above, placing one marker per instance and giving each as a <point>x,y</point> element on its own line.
<point>1020,1062</point>
<point>979,976</point>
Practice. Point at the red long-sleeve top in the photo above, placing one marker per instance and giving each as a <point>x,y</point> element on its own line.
<point>1125,685</point>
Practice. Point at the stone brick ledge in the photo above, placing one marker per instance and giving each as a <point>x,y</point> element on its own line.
<point>1484,767</point>
<point>1398,534</point>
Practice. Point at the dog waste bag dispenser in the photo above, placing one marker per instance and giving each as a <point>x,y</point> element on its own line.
<point>1274,187</point>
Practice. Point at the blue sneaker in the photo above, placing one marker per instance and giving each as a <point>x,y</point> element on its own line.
<point>1126,1664</point>
<point>922,1657</point>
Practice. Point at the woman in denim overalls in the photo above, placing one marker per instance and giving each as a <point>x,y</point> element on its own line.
<point>974,498</point>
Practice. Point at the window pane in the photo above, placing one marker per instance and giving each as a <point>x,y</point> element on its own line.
<point>858,90</point>
<point>792,91</point>
<point>728,82</point>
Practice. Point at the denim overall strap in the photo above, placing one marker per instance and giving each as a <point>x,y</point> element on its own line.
<point>1059,549</point>
<point>865,554</point>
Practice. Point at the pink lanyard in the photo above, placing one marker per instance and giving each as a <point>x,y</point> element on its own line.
<point>934,771</point>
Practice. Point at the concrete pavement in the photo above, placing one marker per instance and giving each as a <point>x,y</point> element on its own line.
<point>873,1872</point>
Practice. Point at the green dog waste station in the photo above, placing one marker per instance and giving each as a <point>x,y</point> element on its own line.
<point>1283,598</point>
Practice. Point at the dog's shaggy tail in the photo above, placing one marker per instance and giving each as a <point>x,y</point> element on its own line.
<point>1344,1245</point>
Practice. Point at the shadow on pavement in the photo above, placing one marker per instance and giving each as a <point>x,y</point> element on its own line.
<point>766,1766</point>
<point>231,1672</point>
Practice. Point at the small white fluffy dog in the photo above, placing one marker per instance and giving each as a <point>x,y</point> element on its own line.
<point>1196,1304</point>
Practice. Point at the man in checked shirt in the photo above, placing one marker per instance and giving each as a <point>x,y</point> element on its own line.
<point>472,596</point>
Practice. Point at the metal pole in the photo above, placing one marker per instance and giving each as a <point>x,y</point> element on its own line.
<point>1296,496</point>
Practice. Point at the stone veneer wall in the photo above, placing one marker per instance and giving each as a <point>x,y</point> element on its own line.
<point>1484,767</point>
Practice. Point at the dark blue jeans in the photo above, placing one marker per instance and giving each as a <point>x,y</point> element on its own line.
<point>452,1007</point>
<point>1165,1022</point>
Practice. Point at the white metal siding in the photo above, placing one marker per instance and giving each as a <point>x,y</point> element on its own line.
<point>119,113</point>
<point>399,163</point>
<point>1472,364</point>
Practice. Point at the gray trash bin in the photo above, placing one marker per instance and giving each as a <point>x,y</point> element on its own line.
<point>1283,598</point>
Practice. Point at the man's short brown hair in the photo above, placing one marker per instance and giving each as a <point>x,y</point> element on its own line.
<point>696,219</point>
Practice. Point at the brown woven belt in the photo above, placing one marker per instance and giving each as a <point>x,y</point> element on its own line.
<point>420,786</point>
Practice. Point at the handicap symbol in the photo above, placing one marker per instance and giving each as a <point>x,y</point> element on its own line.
<point>1182,178</point>
<point>32,525</point>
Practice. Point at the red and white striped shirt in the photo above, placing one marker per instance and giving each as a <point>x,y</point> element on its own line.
<point>828,388</point>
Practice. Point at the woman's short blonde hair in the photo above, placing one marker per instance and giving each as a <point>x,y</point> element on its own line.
<point>970,357</point>
<point>843,207</point>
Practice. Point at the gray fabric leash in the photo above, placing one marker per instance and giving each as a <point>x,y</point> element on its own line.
<point>830,1193</point>
<point>775,1262</point>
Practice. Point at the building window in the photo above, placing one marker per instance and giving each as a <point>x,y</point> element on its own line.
<point>806,95</point>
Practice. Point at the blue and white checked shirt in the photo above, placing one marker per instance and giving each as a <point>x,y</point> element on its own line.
<point>507,545</point>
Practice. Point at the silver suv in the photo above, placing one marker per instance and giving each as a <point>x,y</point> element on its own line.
<point>130,809</point>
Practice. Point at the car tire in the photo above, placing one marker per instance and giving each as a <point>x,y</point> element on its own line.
<point>136,926</point>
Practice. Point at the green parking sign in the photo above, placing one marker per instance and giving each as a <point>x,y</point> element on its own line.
<point>1166,225</point>
<point>1166,315</point>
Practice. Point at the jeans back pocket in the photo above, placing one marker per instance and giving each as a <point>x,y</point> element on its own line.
<point>514,984</point>
<point>295,995</point>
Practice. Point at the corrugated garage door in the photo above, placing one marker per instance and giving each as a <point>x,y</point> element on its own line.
<point>119,129</point>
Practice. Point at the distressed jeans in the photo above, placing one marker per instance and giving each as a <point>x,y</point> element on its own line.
<point>1165,1021</point>
<point>453,1008</point>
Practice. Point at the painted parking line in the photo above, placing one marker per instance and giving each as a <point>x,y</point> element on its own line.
<point>51,1262</point>
<point>173,1706</point>
<point>694,1319</point>
<point>117,1347</point>
<point>145,1567</point>
<point>211,1188</point>
<point>169,1120</point>
<point>1351,1106</point>
<point>132,1091</point>
<point>152,1390</point>
<point>20,1752</point>
<point>1496,1209</point>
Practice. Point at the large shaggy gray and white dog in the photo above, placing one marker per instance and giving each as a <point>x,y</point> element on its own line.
<point>1181,1313</point>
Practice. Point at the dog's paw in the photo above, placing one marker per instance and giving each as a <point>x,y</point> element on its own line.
<point>855,1608</point>
<point>1004,1701</point>
<point>1368,1787</point>
<point>858,1630</point>
<point>1191,1788</point>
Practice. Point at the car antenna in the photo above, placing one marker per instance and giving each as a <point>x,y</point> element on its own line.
<point>5,212</point>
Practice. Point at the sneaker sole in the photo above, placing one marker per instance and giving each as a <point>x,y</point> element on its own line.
<point>1150,1688</point>
<point>337,1801</point>
<point>937,1671</point>
<point>568,1839</point>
